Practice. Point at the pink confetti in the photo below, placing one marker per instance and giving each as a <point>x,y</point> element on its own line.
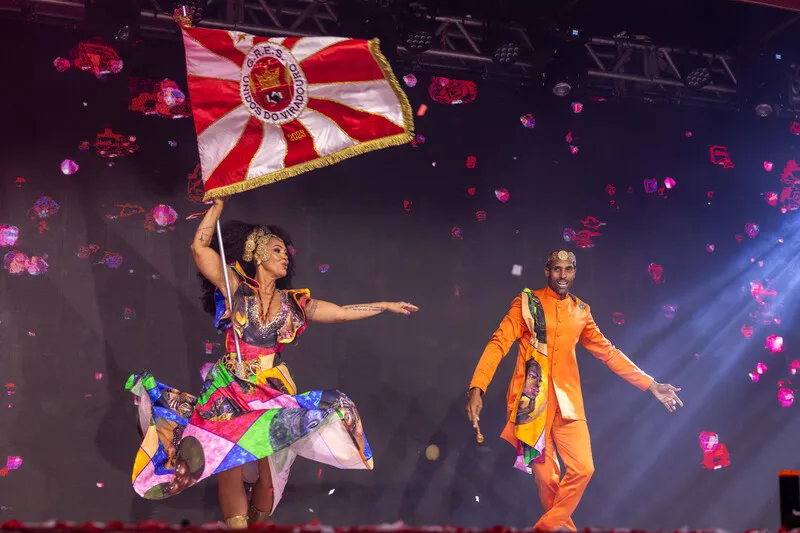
<point>794,366</point>
<point>751,229</point>
<point>611,190</point>
<point>407,206</point>
<point>619,318</point>
<point>577,107</point>
<point>324,268</point>
<point>710,248</point>
<point>528,121</point>
<point>768,166</point>
<point>573,149</point>
<point>670,310</point>
<point>128,313</point>
<point>160,218</point>
<point>656,272</point>
<point>9,235</point>
<point>747,331</point>
<point>62,64</point>
<point>10,389</point>
<point>754,377</point>
<point>719,156</point>
<point>761,368</point>
<point>13,462</point>
<point>785,396</point>
<point>715,454</point>
<point>471,191</point>
<point>774,343</point>
<point>456,233</point>
<point>98,376</point>
<point>422,110</point>
<point>502,195</point>
<point>472,161</point>
<point>100,484</point>
<point>650,185</point>
<point>110,259</point>
<point>794,128</point>
<point>688,133</point>
<point>480,216</point>
<point>87,250</point>
<point>669,183</point>
<point>569,234</point>
<point>771,197</point>
<point>69,167</point>
<point>410,80</point>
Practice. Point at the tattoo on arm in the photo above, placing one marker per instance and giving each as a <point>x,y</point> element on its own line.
<point>311,308</point>
<point>371,308</point>
<point>201,233</point>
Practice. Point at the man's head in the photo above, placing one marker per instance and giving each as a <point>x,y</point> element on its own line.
<point>560,271</point>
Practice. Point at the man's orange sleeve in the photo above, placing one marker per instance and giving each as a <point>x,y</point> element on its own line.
<point>599,346</point>
<point>511,328</point>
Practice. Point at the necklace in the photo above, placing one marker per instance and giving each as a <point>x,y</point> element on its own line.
<point>265,309</point>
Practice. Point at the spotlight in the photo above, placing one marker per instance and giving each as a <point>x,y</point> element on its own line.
<point>764,110</point>
<point>698,77</point>
<point>560,76</point>
<point>506,53</point>
<point>418,35</point>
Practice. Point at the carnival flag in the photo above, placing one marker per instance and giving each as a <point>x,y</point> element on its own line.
<point>266,109</point>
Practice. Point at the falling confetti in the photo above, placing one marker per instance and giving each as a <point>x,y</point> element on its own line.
<point>771,197</point>
<point>528,121</point>
<point>324,268</point>
<point>688,134</point>
<point>568,234</point>
<point>471,191</point>
<point>128,313</point>
<point>785,396</point>
<point>407,206</point>
<point>17,263</point>
<point>611,190</point>
<point>719,156</point>
<point>62,64</point>
<point>577,107</point>
<point>432,452</point>
<point>84,146</point>
<point>69,167</point>
<point>172,144</point>
<point>650,185</point>
<point>656,272</point>
<point>422,110</point>
<point>751,229</point>
<point>410,80</point>
<point>161,218</point>
<point>44,207</point>
<point>87,250</point>
<point>710,248</point>
<point>9,235</point>
<point>619,318</point>
<point>768,166</point>
<point>573,149</point>
<point>330,492</point>
<point>516,270</point>
<point>456,233</point>
<point>715,454</point>
<point>169,94</point>
<point>502,195</point>
<point>480,216</point>
<point>418,140</point>
<point>669,183</point>
<point>471,161</point>
<point>670,310</point>
<point>111,260</point>
<point>774,343</point>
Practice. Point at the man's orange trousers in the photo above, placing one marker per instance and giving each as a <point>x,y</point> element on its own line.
<point>560,496</point>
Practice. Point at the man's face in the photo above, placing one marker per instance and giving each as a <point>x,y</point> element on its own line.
<point>560,276</point>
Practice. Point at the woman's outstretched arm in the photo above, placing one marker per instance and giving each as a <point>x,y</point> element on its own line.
<point>328,313</point>
<point>207,260</point>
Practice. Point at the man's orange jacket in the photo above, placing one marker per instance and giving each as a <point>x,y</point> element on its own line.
<point>568,322</point>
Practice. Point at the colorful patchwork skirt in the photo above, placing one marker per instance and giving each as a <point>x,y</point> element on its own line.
<point>235,422</point>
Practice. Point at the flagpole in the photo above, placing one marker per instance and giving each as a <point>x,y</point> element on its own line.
<point>239,364</point>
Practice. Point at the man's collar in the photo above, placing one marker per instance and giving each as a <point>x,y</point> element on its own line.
<point>553,294</point>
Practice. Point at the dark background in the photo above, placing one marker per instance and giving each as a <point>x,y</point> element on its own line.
<point>407,375</point>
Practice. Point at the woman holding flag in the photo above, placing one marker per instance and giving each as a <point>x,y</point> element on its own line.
<point>249,423</point>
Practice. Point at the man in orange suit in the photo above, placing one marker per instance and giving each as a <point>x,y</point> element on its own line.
<point>544,400</point>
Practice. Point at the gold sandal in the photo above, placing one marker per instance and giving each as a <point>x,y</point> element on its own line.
<point>256,515</point>
<point>237,522</point>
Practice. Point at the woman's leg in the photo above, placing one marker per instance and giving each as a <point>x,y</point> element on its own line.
<point>263,494</point>
<point>232,497</point>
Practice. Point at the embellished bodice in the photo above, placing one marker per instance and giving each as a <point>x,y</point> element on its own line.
<point>257,336</point>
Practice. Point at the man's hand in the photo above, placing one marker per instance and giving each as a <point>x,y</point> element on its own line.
<point>665,394</point>
<point>474,406</point>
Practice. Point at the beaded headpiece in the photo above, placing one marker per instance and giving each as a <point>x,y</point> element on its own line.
<point>256,245</point>
<point>561,255</point>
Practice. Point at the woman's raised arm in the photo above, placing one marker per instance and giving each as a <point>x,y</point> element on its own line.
<point>206,258</point>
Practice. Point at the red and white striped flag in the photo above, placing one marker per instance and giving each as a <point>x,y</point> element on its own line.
<point>266,109</point>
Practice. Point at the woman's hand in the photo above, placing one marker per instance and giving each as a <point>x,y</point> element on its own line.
<point>401,308</point>
<point>220,202</point>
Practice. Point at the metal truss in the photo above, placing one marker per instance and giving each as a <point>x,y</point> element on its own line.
<point>621,66</point>
<point>636,67</point>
